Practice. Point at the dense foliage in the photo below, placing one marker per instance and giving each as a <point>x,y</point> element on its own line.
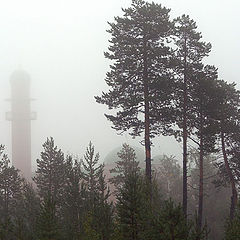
<point>158,85</point>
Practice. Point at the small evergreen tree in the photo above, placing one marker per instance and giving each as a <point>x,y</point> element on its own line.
<point>92,170</point>
<point>124,166</point>
<point>172,223</point>
<point>104,209</point>
<point>97,205</point>
<point>47,224</point>
<point>50,173</point>
<point>74,196</point>
<point>129,206</point>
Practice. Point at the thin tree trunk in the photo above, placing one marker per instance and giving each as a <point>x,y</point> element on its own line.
<point>185,136</point>
<point>200,196</point>
<point>234,196</point>
<point>146,117</point>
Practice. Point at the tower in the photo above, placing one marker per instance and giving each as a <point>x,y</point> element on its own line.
<point>21,117</point>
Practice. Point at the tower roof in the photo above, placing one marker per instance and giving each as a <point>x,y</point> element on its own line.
<point>20,77</point>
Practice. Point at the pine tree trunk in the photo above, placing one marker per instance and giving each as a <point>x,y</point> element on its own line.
<point>200,196</point>
<point>185,159</point>
<point>185,136</point>
<point>234,196</point>
<point>146,117</point>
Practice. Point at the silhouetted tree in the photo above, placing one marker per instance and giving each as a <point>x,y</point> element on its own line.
<point>47,223</point>
<point>50,173</point>
<point>139,77</point>
<point>26,214</point>
<point>99,210</point>
<point>190,51</point>
<point>130,202</point>
<point>204,129</point>
<point>226,116</point>
<point>74,197</point>
<point>10,192</point>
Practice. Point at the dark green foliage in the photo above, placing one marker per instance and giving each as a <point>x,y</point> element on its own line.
<point>10,192</point>
<point>92,171</point>
<point>97,206</point>
<point>73,204</point>
<point>226,116</point>
<point>139,83</point>
<point>104,210</point>
<point>47,224</point>
<point>187,61</point>
<point>50,181</point>
<point>129,206</point>
<point>203,104</point>
<point>137,37</point>
<point>27,211</point>
<point>172,223</point>
<point>50,173</point>
<point>232,229</point>
<point>138,217</point>
<point>89,229</point>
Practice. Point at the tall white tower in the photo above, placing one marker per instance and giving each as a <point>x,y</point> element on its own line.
<point>21,117</point>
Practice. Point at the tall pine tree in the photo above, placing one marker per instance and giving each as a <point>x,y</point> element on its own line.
<point>189,53</point>
<point>139,77</point>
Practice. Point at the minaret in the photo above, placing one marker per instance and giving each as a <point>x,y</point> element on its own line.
<point>21,117</point>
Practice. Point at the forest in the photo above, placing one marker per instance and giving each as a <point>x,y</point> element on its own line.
<point>159,84</point>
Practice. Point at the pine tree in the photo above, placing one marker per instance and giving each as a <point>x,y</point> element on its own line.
<point>171,223</point>
<point>26,212</point>
<point>226,116</point>
<point>129,207</point>
<point>189,53</point>
<point>103,213</point>
<point>139,82</point>
<point>99,210</point>
<point>10,192</point>
<point>47,224</point>
<point>204,130</point>
<point>215,197</point>
<point>92,170</point>
<point>74,195</point>
<point>124,166</point>
<point>50,173</point>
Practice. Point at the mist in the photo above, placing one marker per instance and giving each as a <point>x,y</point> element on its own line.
<point>61,44</point>
<point>147,188</point>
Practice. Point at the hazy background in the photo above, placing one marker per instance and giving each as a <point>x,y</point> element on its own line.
<point>61,44</point>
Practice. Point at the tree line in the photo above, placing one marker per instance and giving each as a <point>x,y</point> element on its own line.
<point>159,84</point>
<point>70,199</point>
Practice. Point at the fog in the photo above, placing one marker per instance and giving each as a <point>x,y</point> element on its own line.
<point>61,44</point>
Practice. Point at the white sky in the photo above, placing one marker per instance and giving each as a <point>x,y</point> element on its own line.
<point>60,43</point>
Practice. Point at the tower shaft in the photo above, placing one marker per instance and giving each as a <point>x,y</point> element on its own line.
<point>20,116</point>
